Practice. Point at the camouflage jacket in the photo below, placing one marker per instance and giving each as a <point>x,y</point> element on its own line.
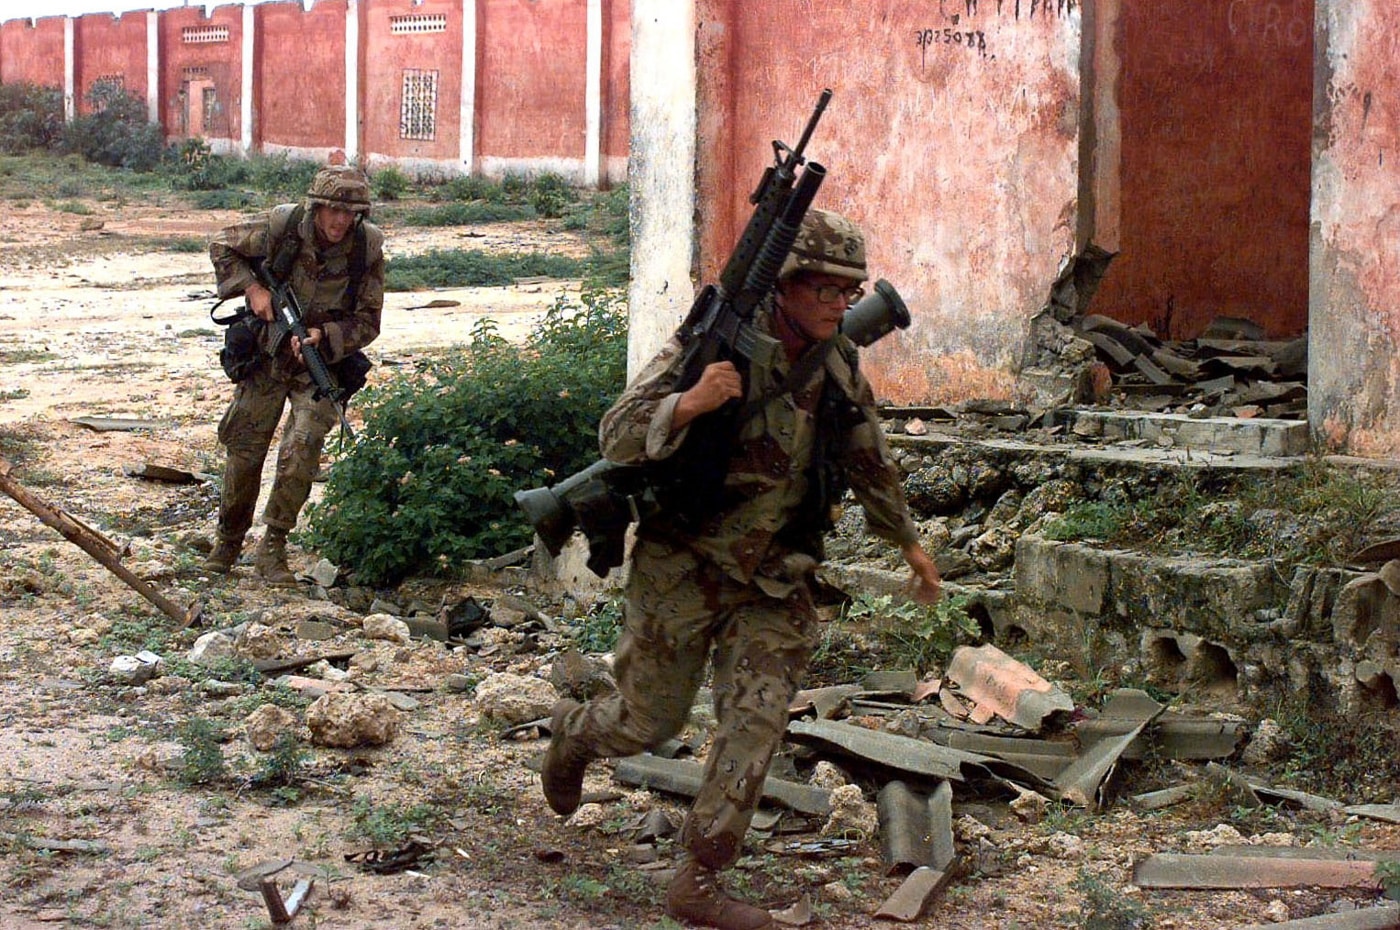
<point>320,277</point>
<point>768,476</point>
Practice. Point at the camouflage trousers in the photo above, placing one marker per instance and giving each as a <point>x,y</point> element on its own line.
<point>681,611</point>
<point>246,432</point>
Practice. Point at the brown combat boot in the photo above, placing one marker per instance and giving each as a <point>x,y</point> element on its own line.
<point>223,556</point>
<point>564,764</point>
<point>696,897</point>
<point>270,561</point>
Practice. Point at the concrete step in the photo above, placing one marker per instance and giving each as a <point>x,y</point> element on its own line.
<point>1258,436</point>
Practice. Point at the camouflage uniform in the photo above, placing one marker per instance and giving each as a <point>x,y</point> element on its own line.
<point>320,278</point>
<point>738,586</point>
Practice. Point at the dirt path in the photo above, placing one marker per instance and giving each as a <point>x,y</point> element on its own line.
<point>101,322</point>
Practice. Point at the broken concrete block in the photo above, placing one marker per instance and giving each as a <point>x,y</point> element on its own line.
<point>264,725</point>
<point>512,699</point>
<point>386,627</point>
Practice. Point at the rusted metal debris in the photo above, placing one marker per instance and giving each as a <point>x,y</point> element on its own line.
<point>1179,870</point>
<point>681,776</point>
<point>1254,792</point>
<point>912,898</point>
<point>910,757</point>
<point>998,685</point>
<point>916,829</point>
<point>1083,782</point>
<point>260,878</point>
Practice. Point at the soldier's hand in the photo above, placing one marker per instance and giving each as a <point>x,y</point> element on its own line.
<point>926,584</point>
<point>259,301</point>
<point>313,338</point>
<point>719,382</point>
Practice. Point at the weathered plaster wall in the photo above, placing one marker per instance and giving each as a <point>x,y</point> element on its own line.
<point>386,56</point>
<point>186,64</point>
<point>32,51</point>
<point>663,173</point>
<point>108,46</point>
<point>531,86</point>
<point>952,137</point>
<point>1213,105</point>
<point>299,58</point>
<point>1354,365</point>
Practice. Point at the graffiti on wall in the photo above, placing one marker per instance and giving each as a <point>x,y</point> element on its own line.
<point>1265,22</point>
<point>959,35</point>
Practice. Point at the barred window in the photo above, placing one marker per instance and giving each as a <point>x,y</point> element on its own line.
<point>420,22</point>
<point>193,34</point>
<point>418,112</point>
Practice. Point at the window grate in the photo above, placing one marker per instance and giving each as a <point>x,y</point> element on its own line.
<point>416,23</point>
<point>418,112</point>
<point>194,34</point>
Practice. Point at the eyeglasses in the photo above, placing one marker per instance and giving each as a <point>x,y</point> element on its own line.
<point>826,293</point>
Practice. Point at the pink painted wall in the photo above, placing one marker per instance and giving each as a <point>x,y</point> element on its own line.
<point>184,64</point>
<point>32,53</point>
<point>952,137</point>
<point>617,88</point>
<point>385,58</point>
<point>299,63</point>
<point>1215,103</point>
<point>530,79</point>
<point>103,46</point>
<point>1354,365</point>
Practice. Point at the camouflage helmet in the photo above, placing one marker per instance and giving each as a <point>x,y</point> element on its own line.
<point>827,243</point>
<point>344,186</point>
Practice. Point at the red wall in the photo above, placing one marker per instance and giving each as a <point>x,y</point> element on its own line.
<point>386,56</point>
<point>1216,120</point>
<point>299,60</point>
<point>617,89</point>
<point>32,54</point>
<point>104,45</point>
<point>531,79</point>
<point>221,61</point>
<point>960,160</point>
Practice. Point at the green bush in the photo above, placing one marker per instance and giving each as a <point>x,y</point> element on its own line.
<point>551,196</point>
<point>474,268</point>
<point>464,214</point>
<point>116,132</point>
<point>31,117</point>
<point>390,183</point>
<point>430,482</point>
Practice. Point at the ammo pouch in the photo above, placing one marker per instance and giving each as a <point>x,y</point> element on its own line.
<point>241,354</point>
<point>350,373</point>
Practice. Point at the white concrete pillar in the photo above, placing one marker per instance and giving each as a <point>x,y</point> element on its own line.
<point>593,96</point>
<point>352,80</point>
<point>466,123</point>
<point>70,108</point>
<point>152,67</point>
<point>663,78</point>
<point>245,91</point>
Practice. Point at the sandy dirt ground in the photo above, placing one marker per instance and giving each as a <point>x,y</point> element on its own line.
<point>101,323</point>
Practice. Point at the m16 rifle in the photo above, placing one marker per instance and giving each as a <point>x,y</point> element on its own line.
<point>605,497</point>
<point>288,318</point>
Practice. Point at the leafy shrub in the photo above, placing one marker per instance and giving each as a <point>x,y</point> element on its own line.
<point>31,117</point>
<point>431,480</point>
<point>197,168</point>
<point>464,214</point>
<point>551,195</point>
<point>598,630</point>
<point>116,132</point>
<point>467,188</point>
<point>919,636</point>
<point>474,268</point>
<point>389,183</point>
<point>202,762</point>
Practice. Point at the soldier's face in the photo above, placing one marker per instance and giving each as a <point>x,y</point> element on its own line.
<point>815,303</point>
<point>333,223</point>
